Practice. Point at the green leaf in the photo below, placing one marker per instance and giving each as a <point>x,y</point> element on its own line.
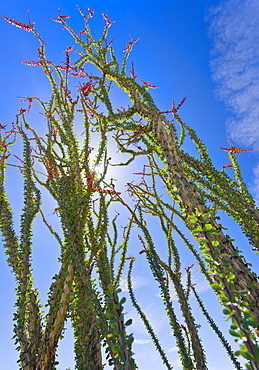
<point>235,334</point>
<point>244,304</point>
<point>205,215</point>
<point>247,355</point>
<point>193,219</point>
<point>115,349</point>
<point>208,226</point>
<point>130,339</point>
<point>123,300</point>
<point>203,241</point>
<point>234,326</point>
<point>227,311</point>
<point>128,322</point>
<point>132,364</point>
<point>215,243</point>
<point>208,259</point>
<point>256,352</point>
<point>242,291</point>
<point>253,323</point>
<point>122,347</point>
<point>248,366</point>
<point>231,276</point>
<point>216,286</point>
<point>199,228</point>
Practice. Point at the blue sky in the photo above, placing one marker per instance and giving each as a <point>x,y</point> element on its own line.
<point>205,50</point>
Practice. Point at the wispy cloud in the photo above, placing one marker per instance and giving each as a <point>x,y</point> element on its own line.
<point>156,315</point>
<point>201,284</point>
<point>142,341</point>
<point>137,282</point>
<point>176,364</point>
<point>173,349</point>
<point>234,30</point>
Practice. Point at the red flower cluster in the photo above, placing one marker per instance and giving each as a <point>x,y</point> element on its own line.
<point>23,26</point>
<point>226,166</point>
<point>35,63</point>
<point>60,18</point>
<point>91,12</point>
<point>55,212</point>
<point>132,71</point>
<point>130,44</point>
<point>50,169</point>
<point>176,108</point>
<point>143,245</point>
<point>86,88</point>
<point>29,100</point>
<point>2,127</point>
<point>106,18</point>
<point>90,182</point>
<point>148,85</point>
<point>109,191</point>
<point>130,258</point>
<point>144,251</point>
<point>55,134</point>
<point>236,150</point>
<point>94,188</point>
<point>189,268</point>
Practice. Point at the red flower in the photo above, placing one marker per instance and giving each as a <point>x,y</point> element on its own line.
<point>86,88</point>
<point>55,212</point>
<point>226,166</point>
<point>144,251</point>
<point>130,44</point>
<point>23,26</point>
<point>174,108</point>
<point>2,127</point>
<point>130,258</point>
<point>132,71</point>
<point>188,268</point>
<point>58,20</point>
<point>91,12</point>
<point>236,150</point>
<point>106,18</point>
<point>148,84</point>
<point>29,100</point>
<point>81,33</point>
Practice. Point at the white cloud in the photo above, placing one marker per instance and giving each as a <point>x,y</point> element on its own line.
<point>177,364</point>
<point>234,29</point>
<point>142,341</point>
<point>202,284</point>
<point>173,349</point>
<point>137,282</point>
<point>156,315</point>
